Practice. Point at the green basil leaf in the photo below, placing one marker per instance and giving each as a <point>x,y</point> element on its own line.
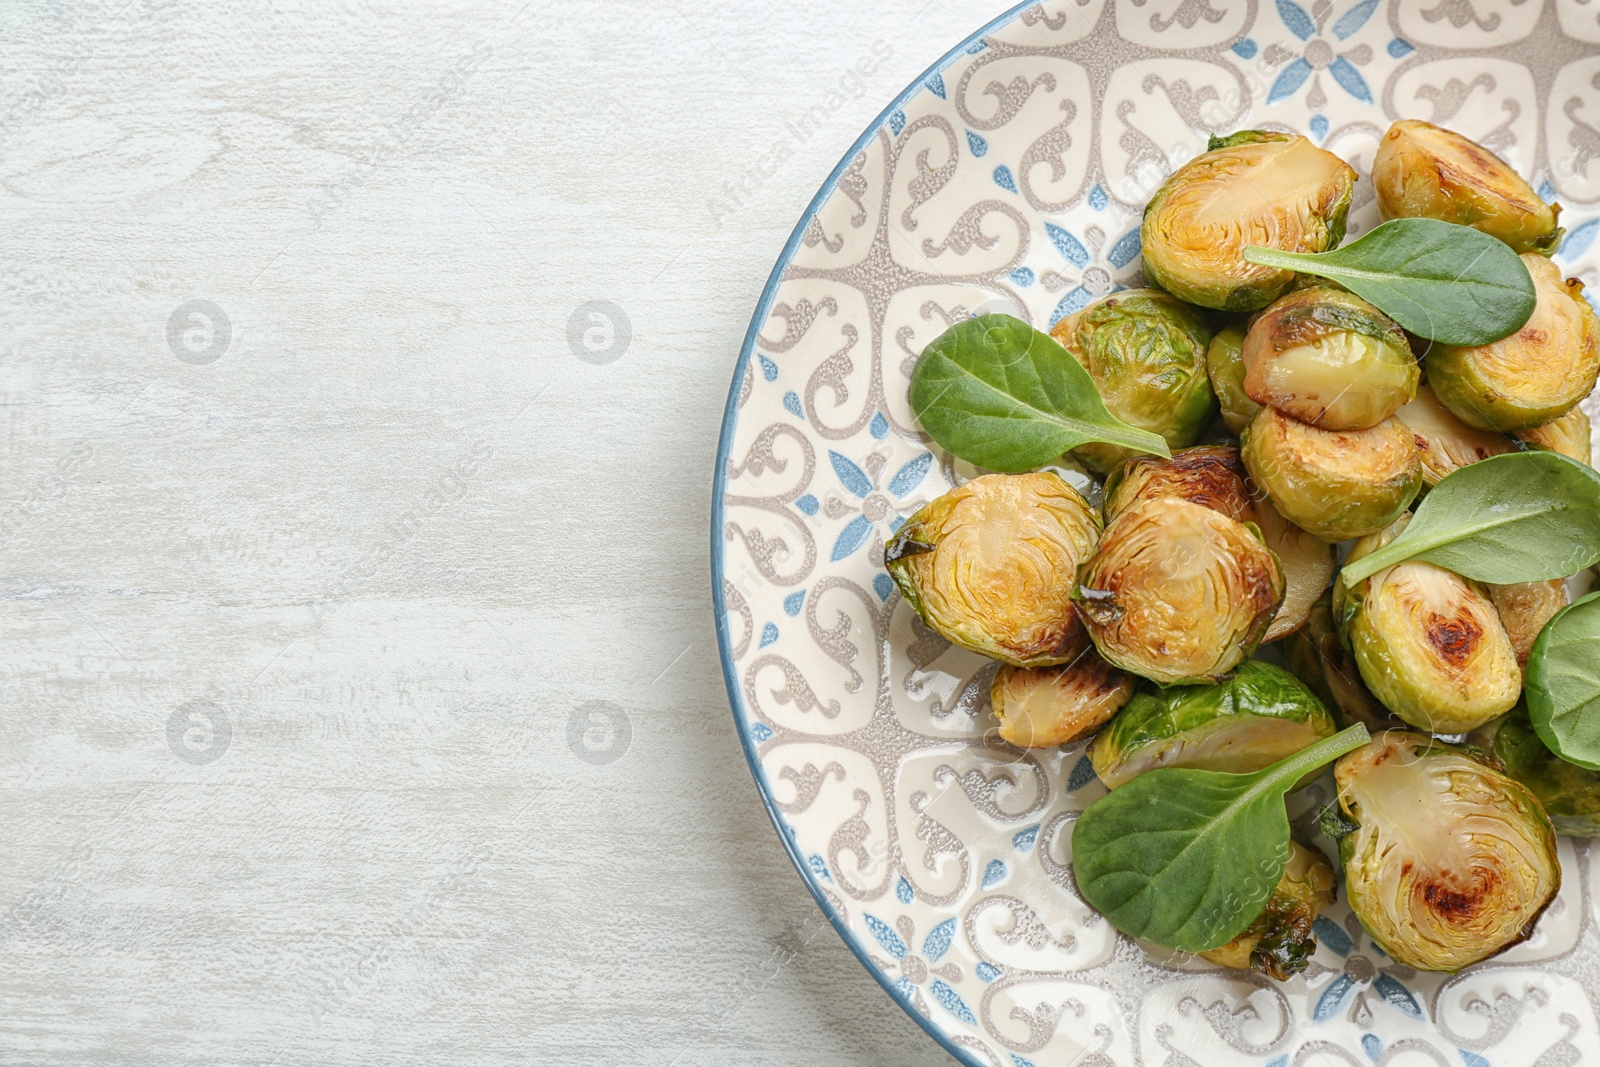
<point>1564,683</point>
<point>1187,858</point>
<point>1437,279</point>
<point>996,392</point>
<point>1522,517</point>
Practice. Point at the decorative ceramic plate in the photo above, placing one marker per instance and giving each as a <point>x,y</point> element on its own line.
<point>1012,176</point>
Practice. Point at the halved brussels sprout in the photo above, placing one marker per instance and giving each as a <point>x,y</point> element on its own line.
<point>1447,443</point>
<point>1210,475</point>
<point>1270,189</point>
<point>990,566</point>
<point>1318,657</point>
<point>1280,943</point>
<point>1329,358</point>
<point>1536,375</point>
<point>1214,476</point>
<point>1524,609</point>
<point>1307,562</point>
<point>1336,484</point>
<point>1451,861</point>
<point>1568,435</point>
<point>1043,706</point>
<point>1429,643</point>
<point>1423,171</point>
<point>1147,354</point>
<point>1570,794</point>
<point>1178,593</point>
<point>1225,365</point>
<point>1252,720</point>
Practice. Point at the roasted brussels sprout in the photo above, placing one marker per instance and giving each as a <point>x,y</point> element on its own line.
<point>1043,706</point>
<point>1568,435</point>
<point>1279,943</point>
<point>1318,657</point>
<point>1330,359</point>
<point>1210,475</point>
<point>1451,861</point>
<point>1214,476</point>
<point>1178,593</point>
<point>1307,562</point>
<point>1536,375</point>
<point>1524,609</point>
<point>1257,188</point>
<point>1570,794</point>
<point>1255,718</point>
<point>1147,353</point>
<point>1336,484</point>
<point>990,566</point>
<point>1423,171</point>
<point>1429,643</point>
<point>1225,365</point>
<point>1447,443</point>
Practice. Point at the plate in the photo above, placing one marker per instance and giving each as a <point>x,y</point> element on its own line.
<point>1011,177</point>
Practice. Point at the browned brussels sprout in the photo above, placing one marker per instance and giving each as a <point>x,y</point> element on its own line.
<point>1043,706</point>
<point>1447,443</point>
<point>1214,477</point>
<point>1524,609</point>
<point>1330,359</point>
<point>1569,435</point>
<point>1307,562</point>
<point>1210,475</point>
<point>1147,354</point>
<point>1429,643</point>
<point>1536,375</point>
<point>1336,484</point>
<point>1318,657</point>
<point>1279,943</point>
<point>1256,188</point>
<point>1423,171</point>
<point>1451,861</point>
<point>1178,593</point>
<point>1225,365</point>
<point>990,566</point>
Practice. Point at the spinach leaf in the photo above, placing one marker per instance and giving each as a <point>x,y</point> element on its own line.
<point>1564,683</point>
<point>998,393</point>
<point>1522,517</point>
<point>1437,279</point>
<point>1187,858</point>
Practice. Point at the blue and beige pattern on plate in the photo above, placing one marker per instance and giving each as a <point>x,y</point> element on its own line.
<point>1012,177</point>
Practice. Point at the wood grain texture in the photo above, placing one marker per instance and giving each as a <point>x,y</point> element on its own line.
<point>286,766</point>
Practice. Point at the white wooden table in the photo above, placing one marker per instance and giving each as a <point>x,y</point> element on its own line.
<point>361,697</point>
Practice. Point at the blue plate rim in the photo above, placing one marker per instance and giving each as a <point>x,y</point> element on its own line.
<point>730,419</point>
